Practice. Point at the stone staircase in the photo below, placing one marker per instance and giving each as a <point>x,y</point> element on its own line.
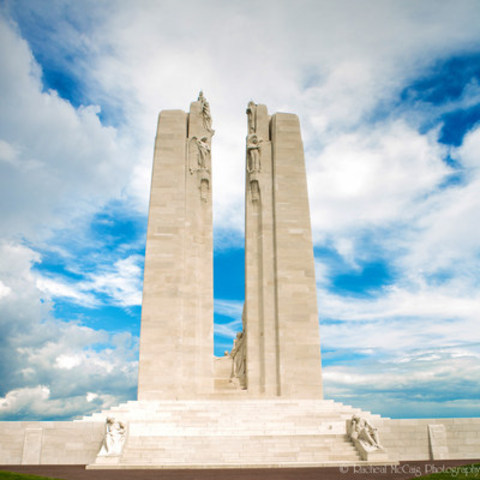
<point>233,433</point>
<point>245,450</point>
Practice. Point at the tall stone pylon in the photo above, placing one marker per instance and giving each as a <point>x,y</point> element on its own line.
<point>280,313</point>
<point>176,338</point>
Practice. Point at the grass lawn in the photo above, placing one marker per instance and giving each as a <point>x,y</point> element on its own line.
<point>21,476</point>
<point>463,472</point>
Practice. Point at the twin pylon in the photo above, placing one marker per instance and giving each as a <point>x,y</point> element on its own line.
<point>278,352</point>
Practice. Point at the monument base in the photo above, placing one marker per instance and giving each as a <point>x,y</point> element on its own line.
<point>235,433</point>
<point>236,466</point>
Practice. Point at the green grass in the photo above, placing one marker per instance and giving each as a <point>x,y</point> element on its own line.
<point>21,476</point>
<point>463,472</point>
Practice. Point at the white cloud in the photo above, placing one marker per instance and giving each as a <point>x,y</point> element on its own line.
<point>421,301</point>
<point>373,178</point>
<point>8,153</point>
<point>120,282</point>
<point>229,330</point>
<point>23,398</point>
<point>225,332</point>
<point>405,351</point>
<point>21,307</point>
<point>348,79</point>
<point>40,354</point>
<point>67,362</point>
<point>54,156</point>
<point>58,289</point>
<point>123,282</point>
<point>442,235</point>
<point>428,382</point>
<point>350,69</point>
<point>467,153</point>
<point>4,290</point>
<point>312,60</point>
<point>229,308</point>
<point>36,403</point>
<point>91,396</point>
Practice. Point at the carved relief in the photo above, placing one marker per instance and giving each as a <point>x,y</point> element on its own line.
<point>254,144</point>
<point>200,163</point>
<point>363,432</point>
<point>253,153</point>
<point>252,116</point>
<point>199,153</point>
<point>204,188</point>
<point>255,189</point>
<point>254,164</point>
<point>239,364</point>
<point>206,115</point>
<point>114,439</point>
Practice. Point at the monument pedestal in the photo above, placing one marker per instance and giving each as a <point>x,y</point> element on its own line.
<point>234,433</point>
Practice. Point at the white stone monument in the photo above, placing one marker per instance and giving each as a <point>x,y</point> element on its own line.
<point>176,339</point>
<point>261,405</point>
<point>281,315</point>
<point>281,352</point>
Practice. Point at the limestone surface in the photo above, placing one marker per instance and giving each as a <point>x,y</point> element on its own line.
<point>176,339</point>
<point>281,314</point>
<point>261,404</point>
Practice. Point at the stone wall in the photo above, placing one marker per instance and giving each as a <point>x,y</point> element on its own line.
<point>77,443</point>
<point>50,443</point>
<point>408,439</point>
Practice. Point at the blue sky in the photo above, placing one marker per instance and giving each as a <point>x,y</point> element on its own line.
<point>388,95</point>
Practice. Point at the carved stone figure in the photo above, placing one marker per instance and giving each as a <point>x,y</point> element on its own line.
<point>238,354</point>
<point>114,439</point>
<point>200,163</point>
<point>204,153</point>
<point>363,432</point>
<point>207,116</point>
<point>252,116</point>
<point>255,189</point>
<point>204,188</point>
<point>200,155</point>
<point>253,153</point>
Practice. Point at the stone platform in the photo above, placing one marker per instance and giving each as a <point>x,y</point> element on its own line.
<point>233,433</point>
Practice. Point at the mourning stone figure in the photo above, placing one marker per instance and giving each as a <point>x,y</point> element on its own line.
<point>253,152</point>
<point>238,355</point>
<point>114,439</point>
<point>203,153</point>
<point>360,430</point>
<point>199,152</point>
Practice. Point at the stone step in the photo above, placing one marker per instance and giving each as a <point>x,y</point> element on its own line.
<point>229,403</point>
<point>279,418</point>
<point>234,432</point>
<point>240,459</point>
<point>227,407</point>
<point>327,440</point>
<point>238,449</point>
